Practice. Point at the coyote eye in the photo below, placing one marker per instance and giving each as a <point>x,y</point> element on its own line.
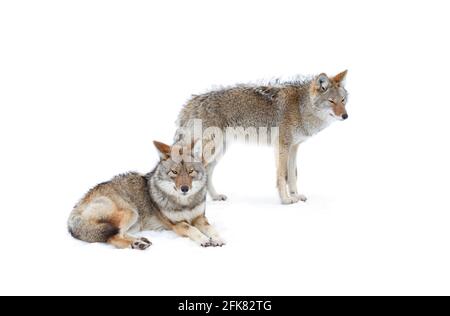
<point>191,171</point>
<point>174,172</point>
<point>331,101</point>
<point>343,100</point>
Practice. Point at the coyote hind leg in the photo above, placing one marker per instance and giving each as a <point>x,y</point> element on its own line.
<point>211,189</point>
<point>124,217</point>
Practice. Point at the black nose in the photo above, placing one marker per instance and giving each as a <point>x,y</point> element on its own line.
<point>345,116</point>
<point>185,189</point>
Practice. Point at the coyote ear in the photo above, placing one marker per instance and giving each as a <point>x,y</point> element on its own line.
<point>340,78</point>
<point>163,150</point>
<point>322,82</point>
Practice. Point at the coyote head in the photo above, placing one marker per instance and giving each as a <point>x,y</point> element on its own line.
<point>329,96</point>
<point>181,170</point>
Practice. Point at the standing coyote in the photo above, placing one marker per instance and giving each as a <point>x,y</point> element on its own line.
<point>299,109</point>
<point>170,197</point>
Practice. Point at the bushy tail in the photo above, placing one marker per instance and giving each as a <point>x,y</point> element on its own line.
<point>91,231</point>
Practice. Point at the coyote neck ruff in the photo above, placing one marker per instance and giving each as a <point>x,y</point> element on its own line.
<point>311,121</point>
<point>300,109</point>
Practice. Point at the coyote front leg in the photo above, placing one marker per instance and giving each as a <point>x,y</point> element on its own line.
<point>293,173</point>
<point>203,225</point>
<point>282,174</point>
<point>183,229</point>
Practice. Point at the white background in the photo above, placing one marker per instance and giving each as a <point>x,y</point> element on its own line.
<point>85,86</point>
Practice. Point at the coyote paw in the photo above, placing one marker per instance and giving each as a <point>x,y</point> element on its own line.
<point>212,242</point>
<point>141,244</point>
<point>300,197</point>
<point>205,242</point>
<point>217,242</point>
<point>220,197</point>
<point>290,200</point>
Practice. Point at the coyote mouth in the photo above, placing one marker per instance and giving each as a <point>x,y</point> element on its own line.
<point>336,117</point>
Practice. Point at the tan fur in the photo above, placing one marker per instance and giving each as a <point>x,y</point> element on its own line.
<point>163,148</point>
<point>120,242</point>
<point>339,78</point>
<point>183,179</point>
<point>339,109</point>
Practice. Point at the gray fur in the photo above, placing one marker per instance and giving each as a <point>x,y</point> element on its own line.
<point>300,109</point>
<point>142,197</point>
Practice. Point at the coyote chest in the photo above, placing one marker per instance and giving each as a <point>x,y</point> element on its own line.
<point>185,215</point>
<point>299,137</point>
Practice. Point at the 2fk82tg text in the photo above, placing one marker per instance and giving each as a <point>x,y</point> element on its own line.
<point>226,306</point>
